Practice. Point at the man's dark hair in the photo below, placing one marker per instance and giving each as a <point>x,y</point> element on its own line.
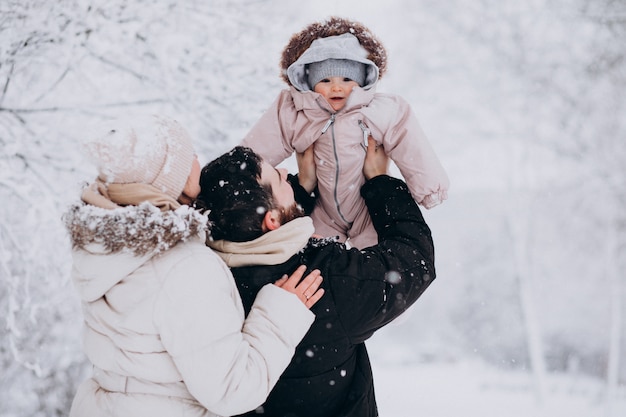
<point>231,192</point>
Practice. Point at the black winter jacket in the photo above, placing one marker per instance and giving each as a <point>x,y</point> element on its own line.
<point>330,374</point>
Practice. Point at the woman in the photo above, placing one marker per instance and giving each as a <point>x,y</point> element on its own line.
<point>164,324</point>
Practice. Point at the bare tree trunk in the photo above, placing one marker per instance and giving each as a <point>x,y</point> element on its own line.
<point>520,218</point>
<point>525,280</point>
<point>612,255</point>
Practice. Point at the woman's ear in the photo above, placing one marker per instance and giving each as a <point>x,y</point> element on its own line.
<point>271,221</point>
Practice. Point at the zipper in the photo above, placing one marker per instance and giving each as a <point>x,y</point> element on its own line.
<point>366,133</point>
<point>328,123</point>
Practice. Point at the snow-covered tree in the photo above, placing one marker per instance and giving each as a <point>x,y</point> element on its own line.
<point>524,102</point>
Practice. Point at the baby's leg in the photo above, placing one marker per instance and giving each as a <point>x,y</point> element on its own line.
<point>325,226</point>
<point>362,234</point>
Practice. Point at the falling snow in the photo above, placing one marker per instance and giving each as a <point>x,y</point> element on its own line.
<point>521,101</point>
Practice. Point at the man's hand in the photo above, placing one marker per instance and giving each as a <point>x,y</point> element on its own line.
<point>306,169</point>
<point>308,290</point>
<point>376,160</point>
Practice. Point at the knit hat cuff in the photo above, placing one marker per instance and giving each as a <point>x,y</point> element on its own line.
<point>317,71</point>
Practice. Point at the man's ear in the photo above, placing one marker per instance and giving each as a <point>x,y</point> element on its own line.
<point>271,221</point>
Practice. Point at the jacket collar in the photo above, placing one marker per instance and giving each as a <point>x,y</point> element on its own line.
<point>273,248</point>
<point>310,100</point>
<point>137,229</point>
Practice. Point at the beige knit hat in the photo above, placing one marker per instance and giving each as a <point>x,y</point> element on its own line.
<point>144,149</point>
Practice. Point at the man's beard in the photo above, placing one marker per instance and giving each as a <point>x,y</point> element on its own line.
<point>290,213</point>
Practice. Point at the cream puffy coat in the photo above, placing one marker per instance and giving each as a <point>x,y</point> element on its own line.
<point>166,332</point>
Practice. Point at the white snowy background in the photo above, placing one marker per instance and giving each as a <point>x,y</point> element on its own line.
<point>524,101</point>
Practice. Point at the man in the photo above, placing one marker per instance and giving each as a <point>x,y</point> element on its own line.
<point>259,230</point>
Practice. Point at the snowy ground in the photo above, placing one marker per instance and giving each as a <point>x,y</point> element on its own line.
<point>476,390</point>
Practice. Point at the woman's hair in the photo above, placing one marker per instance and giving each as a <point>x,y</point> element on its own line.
<point>232,195</point>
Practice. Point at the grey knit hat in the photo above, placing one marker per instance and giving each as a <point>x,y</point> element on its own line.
<point>144,149</point>
<point>353,70</point>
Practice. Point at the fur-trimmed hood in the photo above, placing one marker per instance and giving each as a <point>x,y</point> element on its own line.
<point>334,26</point>
<point>111,244</point>
<point>339,47</point>
<point>138,229</point>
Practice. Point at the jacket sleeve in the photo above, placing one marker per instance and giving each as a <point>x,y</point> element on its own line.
<point>228,364</point>
<point>271,135</point>
<point>409,148</point>
<point>380,282</point>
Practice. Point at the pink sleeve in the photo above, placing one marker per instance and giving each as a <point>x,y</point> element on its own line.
<point>411,151</point>
<point>271,135</point>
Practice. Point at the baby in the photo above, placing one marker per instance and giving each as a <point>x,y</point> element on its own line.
<point>333,69</point>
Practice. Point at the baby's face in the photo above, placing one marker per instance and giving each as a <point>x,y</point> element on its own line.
<point>335,90</point>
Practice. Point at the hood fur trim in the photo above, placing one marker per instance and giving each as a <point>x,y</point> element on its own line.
<point>138,229</point>
<point>302,40</point>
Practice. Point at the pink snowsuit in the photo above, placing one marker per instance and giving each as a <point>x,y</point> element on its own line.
<point>299,118</point>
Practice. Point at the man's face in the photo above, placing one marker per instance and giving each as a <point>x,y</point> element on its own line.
<point>281,190</point>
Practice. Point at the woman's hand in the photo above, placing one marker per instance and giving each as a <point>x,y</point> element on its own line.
<point>308,289</point>
<point>376,160</point>
<point>307,173</point>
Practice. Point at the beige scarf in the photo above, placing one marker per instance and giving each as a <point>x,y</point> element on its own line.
<point>111,196</point>
<point>273,248</point>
